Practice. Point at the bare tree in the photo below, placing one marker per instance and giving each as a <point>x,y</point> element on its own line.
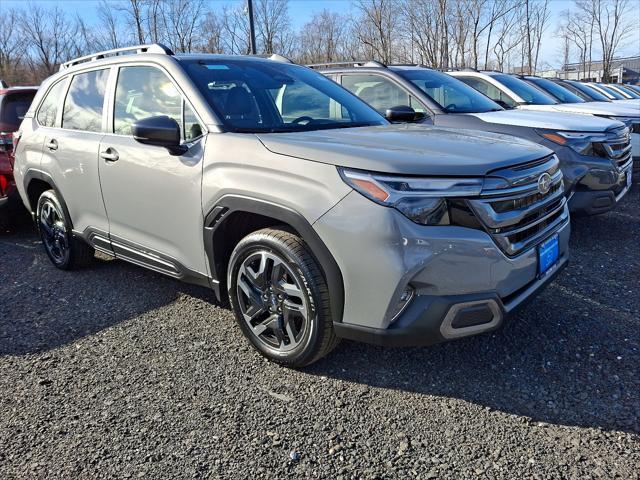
<point>541,15</point>
<point>378,24</point>
<point>50,36</point>
<point>110,35</point>
<point>12,47</point>
<point>134,9</point>
<point>508,37</point>
<point>613,25</point>
<point>212,31</point>
<point>235,30</point>
<point>321,39</point>
<point>499,9</point>
<point>181,20</point>
<point>533,25</point>
<point>428,31</point>
<point>273,26</point>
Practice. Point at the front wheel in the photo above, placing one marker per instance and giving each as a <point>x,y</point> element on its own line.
<point>64,251</point>
<point>280,298</point>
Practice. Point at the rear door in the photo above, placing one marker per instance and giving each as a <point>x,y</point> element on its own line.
<point>153,198</point>
<point>70,150</point>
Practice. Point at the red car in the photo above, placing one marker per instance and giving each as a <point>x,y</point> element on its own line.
<point>14,103</point>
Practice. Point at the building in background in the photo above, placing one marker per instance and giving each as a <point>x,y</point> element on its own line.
<point>624,70</point>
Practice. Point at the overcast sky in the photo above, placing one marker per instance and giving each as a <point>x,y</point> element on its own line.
<point>300,12</point>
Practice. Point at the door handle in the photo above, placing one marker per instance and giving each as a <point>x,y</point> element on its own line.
<point>110,155</point>
<point>53,144</point>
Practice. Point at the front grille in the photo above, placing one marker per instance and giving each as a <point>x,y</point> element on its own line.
<point>617,147</point>
<point>514,211</point>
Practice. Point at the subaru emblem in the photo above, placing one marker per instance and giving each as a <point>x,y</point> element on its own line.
<point>544,183</point>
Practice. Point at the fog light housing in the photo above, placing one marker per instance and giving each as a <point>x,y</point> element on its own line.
<point>403,302</point>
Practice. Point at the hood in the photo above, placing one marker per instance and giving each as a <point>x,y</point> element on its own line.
<point>407,149</point>
<point>556,121</point>
<point>594,108</point>
<point>628,101</point>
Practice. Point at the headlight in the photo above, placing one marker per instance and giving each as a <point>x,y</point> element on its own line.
<point>581,142</point>
<point>421,199</point>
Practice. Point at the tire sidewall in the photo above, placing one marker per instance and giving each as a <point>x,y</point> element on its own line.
<point>51,196</point>
<point>310,344</point>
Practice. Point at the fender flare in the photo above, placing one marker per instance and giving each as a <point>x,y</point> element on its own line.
<point>228,204</point>
<point>35,174</point>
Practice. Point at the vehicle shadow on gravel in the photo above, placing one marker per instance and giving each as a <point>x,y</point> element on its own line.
<point>569,358</point>
<point>43,315</point>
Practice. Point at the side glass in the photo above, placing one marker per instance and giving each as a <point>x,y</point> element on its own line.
<point>49,107</point>
<point>377,91</point>
<point>192,128</point>
<point>487,89</point>
<point>85,100</point>
<point>143,92</point>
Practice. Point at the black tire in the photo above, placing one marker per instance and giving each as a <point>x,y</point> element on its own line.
<point>316,335</point>
<point>64,250</point>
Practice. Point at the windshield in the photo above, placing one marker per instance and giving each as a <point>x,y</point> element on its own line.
<point>452,95</point>
<point>628,91</point>
<point>590,92</point>
<point>530,94</point>
<point>562,94</point>
<point>266,96</point>
<point>13,107</point>
<point>611,92</point>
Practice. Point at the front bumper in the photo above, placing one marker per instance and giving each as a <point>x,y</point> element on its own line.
<point>429,320</point>
<point>595,193</point>
<point>593,184</point>
<point>380,252</point>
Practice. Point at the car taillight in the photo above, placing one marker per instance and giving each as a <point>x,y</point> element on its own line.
<point>4,185</point>
<point>6,141</point>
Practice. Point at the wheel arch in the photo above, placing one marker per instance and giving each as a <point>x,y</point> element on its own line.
<point>35,183</point>
<point>233,217</point>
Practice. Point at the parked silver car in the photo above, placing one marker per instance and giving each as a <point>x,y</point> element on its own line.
<point>290,196</point>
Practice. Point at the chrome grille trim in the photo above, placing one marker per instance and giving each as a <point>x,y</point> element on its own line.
<point>618,147</point>
<point>533,216</point>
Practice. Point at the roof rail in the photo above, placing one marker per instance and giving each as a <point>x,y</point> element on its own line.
<point>420,65</point>
<point>361,63</point>
<point>151,48</point>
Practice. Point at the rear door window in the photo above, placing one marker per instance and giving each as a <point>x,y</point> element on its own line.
<point>84,104</point>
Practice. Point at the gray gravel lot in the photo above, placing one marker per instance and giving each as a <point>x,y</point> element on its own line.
<point>116,372</point>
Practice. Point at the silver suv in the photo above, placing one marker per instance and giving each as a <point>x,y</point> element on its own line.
<point>284,192</point>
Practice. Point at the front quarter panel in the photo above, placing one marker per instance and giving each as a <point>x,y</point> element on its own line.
<point>239,164</point>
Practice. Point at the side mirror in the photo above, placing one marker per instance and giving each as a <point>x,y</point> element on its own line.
<point>160,131</point>
<point>403,113</point>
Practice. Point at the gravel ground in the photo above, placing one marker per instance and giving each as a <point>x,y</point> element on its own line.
<point>116,372</point>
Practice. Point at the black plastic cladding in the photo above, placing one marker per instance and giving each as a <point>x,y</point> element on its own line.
<point>232,203</point>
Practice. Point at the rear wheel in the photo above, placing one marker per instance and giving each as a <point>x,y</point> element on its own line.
<point>64,251</point>
<point>280,298</point>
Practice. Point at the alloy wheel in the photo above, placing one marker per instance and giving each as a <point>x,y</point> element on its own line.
<point>53,232</point>
<point>272,301</point>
